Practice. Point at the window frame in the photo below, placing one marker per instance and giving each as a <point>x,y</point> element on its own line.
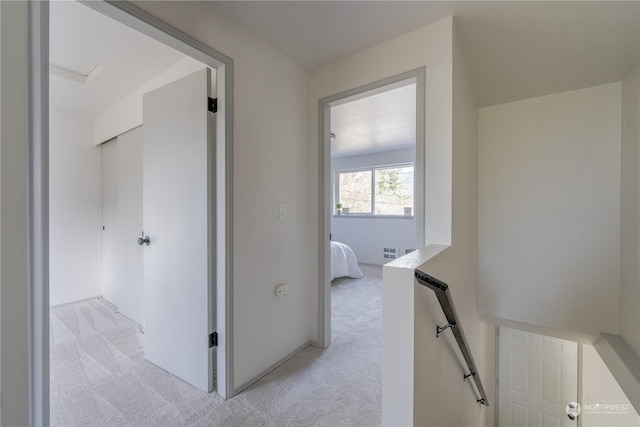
<point>372,169</point>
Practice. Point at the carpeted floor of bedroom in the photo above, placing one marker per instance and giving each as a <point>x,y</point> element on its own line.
<point>99,376</point>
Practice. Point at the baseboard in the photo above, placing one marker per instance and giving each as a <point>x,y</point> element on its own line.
<point>267,371</point>
<point>111,306</point>
<point>75,302</point>
<point>108,304</point>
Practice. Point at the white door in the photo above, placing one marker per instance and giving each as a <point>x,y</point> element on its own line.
<point>109,153</point>
<point>122,223</point>
<point>129,290</point>
<point>177,217</point>
<point>538,377</point>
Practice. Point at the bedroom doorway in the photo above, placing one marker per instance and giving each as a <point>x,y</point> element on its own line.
<point>163,96</point>
<point>220,235</point>
<point>372,180</point>
<point>159,183</point>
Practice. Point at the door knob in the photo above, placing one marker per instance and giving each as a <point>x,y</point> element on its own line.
<point>144,240</point>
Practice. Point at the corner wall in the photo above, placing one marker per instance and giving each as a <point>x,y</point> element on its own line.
<point>441,396</point>
<point>421,377</point>
<point>599,388</point>
<point>75,209</point>
<point>549,210</point>
<point>630,211</point>
<point>428,47</point>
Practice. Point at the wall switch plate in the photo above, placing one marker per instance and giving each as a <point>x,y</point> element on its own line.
<point>282,211</point>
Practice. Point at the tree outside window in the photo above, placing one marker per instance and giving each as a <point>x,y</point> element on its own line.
<point>355,191</point>
<point>393,190</point>
<point>384,190</point>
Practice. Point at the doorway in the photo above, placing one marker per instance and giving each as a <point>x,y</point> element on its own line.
<point>537,379</point>
<point>39,255</point>
<point>363,174</point>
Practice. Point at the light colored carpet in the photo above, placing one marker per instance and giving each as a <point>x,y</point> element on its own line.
<point>99,376</point>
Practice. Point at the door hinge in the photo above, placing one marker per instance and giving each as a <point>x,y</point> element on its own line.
<point>213,339</point>
<point>213,105</point>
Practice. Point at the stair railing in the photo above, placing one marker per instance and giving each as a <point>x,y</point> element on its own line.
<point>441,290</point>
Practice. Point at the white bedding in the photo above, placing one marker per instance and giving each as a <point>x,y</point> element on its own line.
<point>344,262</point>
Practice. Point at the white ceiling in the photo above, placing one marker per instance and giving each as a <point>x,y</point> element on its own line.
<point>515,49</point>
<point>80,39</point>
<point>381,122</point>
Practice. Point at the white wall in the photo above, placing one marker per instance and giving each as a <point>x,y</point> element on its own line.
<point>435,397</point>
<point>13,213</point>
<point>424,47</point>
<point>428,47</point>
<point>599,387</point>
<point>549,210</point>
<point>630,211</point>
<point>126,114</point>
<point>75,209</point>
<point>441,397</point>
<point>368,236</point>
<point>271,156</point>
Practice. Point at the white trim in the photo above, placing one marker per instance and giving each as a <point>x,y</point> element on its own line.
<point>496,350</point>
<point>38,215</point>
<point>579,383</point>
<point>273,367</point>
<point>324,224</point>
<point>369,216</point>
<point>325,204</point>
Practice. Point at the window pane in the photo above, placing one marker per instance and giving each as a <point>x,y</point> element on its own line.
<point>355,191</point>
<point>394,190</point>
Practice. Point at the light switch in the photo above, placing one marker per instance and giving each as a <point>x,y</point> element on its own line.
<point>282,211</point>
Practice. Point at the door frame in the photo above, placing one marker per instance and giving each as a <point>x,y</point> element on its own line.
<point>325,187</point>
<point>38,184</point>
<point>496,407</point>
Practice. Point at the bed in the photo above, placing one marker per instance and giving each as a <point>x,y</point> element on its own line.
<point>344,262</point>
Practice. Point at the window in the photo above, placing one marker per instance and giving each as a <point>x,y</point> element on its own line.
<point>394,191</point>
<point>355,191</point>
<point>383,190</point>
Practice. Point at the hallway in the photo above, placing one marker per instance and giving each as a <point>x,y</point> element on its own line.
<point>99,376</point>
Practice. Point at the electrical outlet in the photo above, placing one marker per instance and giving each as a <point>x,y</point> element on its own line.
<point>281,290</point>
